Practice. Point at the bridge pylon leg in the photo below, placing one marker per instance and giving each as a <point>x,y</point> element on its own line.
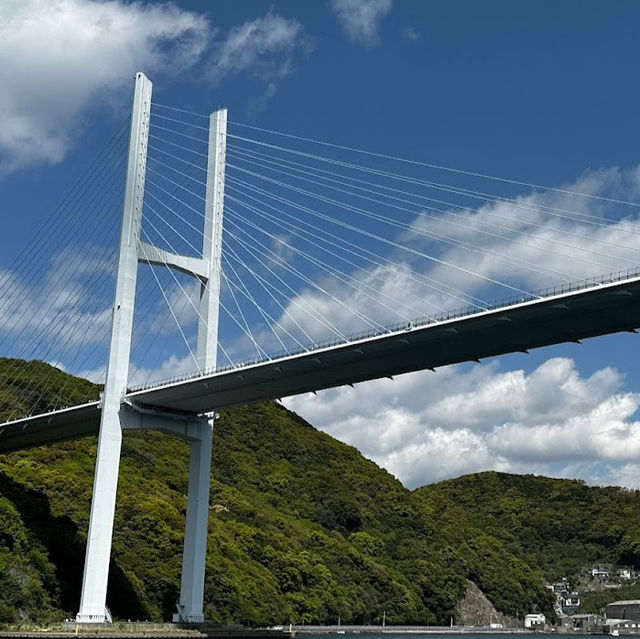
<point>93,607</point>
<point>190,605</point>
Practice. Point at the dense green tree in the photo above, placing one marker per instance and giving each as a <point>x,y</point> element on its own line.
<point>558,525</point>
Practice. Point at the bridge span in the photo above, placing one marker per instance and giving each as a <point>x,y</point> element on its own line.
<point>583,310</point>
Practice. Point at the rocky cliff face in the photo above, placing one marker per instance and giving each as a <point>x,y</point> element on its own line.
<point>474,609</point>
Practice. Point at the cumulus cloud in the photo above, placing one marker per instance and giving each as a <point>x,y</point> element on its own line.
<point>61,313</point>
<point>167,368</point>
<point>172,366</point>
<point>68,55</point>
<point>63,304</point>
<point>449,257</point>
<point>360,19</point>
<point>541,238</point>
<point>424,427</point>
<point>183,298</point>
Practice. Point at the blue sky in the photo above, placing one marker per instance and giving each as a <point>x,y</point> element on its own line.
<point>537,92</point>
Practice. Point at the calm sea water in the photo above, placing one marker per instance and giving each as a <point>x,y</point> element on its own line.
<point>437,635</point>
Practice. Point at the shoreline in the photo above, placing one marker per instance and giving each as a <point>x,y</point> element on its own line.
<point>447,630</point>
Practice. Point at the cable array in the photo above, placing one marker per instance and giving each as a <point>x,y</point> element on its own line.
<point>54,297</point>
<point>321,241</point>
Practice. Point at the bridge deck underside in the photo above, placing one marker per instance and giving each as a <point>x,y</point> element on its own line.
<point>531,325</point>
<point>70,423</point>
<point>572,316</point>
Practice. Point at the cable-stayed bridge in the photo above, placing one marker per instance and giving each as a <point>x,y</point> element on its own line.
<point>593,308</point>
<point>332,268</point>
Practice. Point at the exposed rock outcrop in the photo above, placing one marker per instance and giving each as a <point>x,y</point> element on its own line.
<point>474,609</point>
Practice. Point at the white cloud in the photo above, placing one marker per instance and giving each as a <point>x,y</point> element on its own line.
<point>371,298</point>
<point>265,47</point>
<point>424,427</point>
<point>61,313</point>
<point>70,58</point>
<point>62,305</point>
<point>183,297</point>
<point>173,366</point>
<point>528,243</point>
<point>411,34</point>
<point>360,19</point>
<point>69,55</point>
<point>538,239</point>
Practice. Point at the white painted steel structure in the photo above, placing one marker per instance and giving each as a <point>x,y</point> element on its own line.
<point>195,538</point>
<point>103,503</point>
<point>117,415</point>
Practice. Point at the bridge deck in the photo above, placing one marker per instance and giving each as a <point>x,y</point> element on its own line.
<point>60,425</point>
<point>590,312</point>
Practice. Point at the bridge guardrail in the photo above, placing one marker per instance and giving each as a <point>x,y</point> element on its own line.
<point>425,320</point>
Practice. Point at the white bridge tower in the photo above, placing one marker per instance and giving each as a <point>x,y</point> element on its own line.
<point>118,415</point>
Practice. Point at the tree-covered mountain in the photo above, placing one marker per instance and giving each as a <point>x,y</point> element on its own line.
<point>558,525</point>
<point>302,528</point>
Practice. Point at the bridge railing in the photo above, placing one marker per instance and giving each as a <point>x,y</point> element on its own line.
<point>397,327</point>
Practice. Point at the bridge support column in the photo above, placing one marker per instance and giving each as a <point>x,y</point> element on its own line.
<point>190,606</point>
<point>93,607</point>
<point>96,567</point>
<point>199,432</point>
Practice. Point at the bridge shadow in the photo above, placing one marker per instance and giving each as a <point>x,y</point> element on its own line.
<point>66,547</point>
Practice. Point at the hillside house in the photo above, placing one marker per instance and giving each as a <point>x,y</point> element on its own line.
<point>560,587</point>
<point>570,602</point>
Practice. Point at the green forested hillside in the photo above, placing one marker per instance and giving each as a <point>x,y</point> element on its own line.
<point>302,528</point>
<point>560,525</point>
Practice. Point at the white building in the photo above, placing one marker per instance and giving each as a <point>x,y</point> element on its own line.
<point>534,620</point>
